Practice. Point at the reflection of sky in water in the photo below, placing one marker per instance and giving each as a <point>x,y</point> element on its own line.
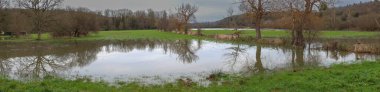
<point>124,61</point>
<point>211,58</point>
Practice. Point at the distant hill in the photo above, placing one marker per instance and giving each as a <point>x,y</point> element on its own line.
<point>360,16</point>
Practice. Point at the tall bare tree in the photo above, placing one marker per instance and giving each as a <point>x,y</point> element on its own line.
<point>231,20</point>
<point>41,13</point>
<point>163,22</point>
<point>186,12</point>
<point>257,9</point>
<point>333,20</point>
<point>301,12</point>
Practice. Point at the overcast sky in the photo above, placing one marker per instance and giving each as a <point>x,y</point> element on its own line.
<point>209,10</point>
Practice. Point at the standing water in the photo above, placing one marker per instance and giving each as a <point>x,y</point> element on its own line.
<point>154,61</point>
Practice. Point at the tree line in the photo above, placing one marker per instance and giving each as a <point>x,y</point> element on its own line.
<point>302,17</point>
<point>45,16</point>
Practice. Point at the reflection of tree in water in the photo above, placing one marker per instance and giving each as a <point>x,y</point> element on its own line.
<point>236,55</point>
<point>184,49</point>
<point>299,61</point>
<point>43,59</point>
<point>82,54</point>
<point>256,67</point>
<point>239,55</point>
<point>5,66</point>
<point>36,60</point>
<point>313,57</point>
<point>39,66</point>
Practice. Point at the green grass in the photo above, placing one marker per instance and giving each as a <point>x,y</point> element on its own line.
<point>324,34</point>
<point>135,34</point>
<point>112,35</point>
<point>154,34</point>
<point>338,78</point>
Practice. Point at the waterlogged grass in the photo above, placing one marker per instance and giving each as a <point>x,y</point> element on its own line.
<point>111,35</point>
<point>154,34</point>
<point>361,77</point>
<point>135,34</point>
<point>265,33</point>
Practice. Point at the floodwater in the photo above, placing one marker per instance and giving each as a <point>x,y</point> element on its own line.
<point>153,61</point>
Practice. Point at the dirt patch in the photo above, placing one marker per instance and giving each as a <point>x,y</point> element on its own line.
<point>225,37</point>
<point>365,48</point>
<point>194,33</point>
<point>352,47</point>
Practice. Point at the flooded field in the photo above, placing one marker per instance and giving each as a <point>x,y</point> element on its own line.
<point>154,61</point>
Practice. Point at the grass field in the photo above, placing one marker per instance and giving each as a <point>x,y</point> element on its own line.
<point>362,77</point>
<point>324,34</point>
<point>113,35</point>
<point>154,34</point>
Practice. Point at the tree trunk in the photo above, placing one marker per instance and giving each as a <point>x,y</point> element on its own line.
<point>259,64</point>
<point>186,29</point>
<point>259,15</point>
<point>299,38</point>
<point>300,24</point>
<point>39,35</point>
<point>258,28</point>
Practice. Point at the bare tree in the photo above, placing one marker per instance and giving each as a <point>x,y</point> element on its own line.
<point>163,23</point>
<point>257,9</point>
<point>231,19</point>
<point>301,12</point>
<point>3,4</point>
<point>18,23</point>
<point>186,12</point>
<point>333,20</point>
<point>41,13</point>
<point>76,22</point>
<point>377,22</point>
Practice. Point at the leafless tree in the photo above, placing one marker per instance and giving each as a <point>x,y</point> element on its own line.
<point>41,12</point>
<point>186,12</point>
<point>377,22</point>
<point>3,4</point>
<point>231,19</point>
<point>257,9</point>
<point>18,23</point>
<point>333,20</point>
<point>301,12</point>
<point>76,22</point>
<point>163,23</point>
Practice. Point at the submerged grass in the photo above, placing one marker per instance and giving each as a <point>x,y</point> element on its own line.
<point>363,76</point>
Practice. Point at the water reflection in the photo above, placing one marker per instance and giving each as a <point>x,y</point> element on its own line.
<point>297,59</point>
<point>184,49</point>
<point>5,66</point>
<point>170,59</point>
<point>36,60</point>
